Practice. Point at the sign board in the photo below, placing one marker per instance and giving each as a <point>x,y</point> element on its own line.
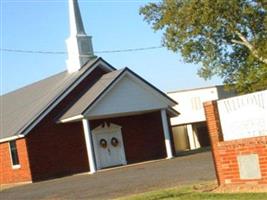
<point>244,116</point>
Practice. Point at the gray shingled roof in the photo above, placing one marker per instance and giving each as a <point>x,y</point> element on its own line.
<point>22,106</point>
<point>92,94</point>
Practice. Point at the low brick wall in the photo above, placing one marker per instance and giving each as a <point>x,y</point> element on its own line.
<point>226,153</point>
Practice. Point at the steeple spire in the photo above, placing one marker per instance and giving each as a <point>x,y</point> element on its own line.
<point>79,45</point>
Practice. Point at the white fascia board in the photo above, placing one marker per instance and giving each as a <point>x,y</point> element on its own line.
<point>59,98</point>
<point>72,119</point>
<point>138,81</point>
<point>186,122</point>
<point>11,138</point>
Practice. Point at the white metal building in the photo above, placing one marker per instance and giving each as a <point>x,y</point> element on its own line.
<point>189,128</point>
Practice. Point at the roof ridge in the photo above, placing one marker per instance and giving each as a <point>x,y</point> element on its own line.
<point>45,92</point>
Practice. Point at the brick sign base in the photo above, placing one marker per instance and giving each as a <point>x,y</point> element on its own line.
<point>236,162</point>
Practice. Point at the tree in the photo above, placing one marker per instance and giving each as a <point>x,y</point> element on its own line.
<point>227,37</point>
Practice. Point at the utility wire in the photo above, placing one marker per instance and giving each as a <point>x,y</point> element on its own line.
<point>32,51</point>
<point>64,52</point>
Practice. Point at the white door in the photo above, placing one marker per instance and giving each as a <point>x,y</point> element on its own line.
<point>109,148</point>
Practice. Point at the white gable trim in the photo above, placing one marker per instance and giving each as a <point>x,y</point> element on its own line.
<point>72,119</point>
<point>28,127</point>
<point>127,96</point>
<point>147,87</point>
<point>137,80</point>
<point>11,138</point>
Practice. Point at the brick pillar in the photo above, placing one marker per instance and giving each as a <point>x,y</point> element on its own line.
<point>215,134</point>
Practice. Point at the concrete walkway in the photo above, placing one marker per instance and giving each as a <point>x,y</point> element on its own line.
<point>122,181</point>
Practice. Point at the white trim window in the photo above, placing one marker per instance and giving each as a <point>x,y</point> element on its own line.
<point>14,154</point>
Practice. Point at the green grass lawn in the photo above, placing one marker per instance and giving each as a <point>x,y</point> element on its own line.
<point>188,193</point>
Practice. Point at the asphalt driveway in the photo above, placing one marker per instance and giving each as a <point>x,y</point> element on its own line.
<point>122,181</point>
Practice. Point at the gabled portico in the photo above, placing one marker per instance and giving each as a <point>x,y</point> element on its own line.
<point>119,94</point>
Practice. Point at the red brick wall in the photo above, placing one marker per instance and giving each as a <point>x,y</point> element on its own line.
<point>225,152</point>
<point>143,136</point>
<point>228,152</point>
<point>54,150</point>
<point>7,173</point>
<point>59,149</point>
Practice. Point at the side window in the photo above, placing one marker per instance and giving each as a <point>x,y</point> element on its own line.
<point>14,154</point>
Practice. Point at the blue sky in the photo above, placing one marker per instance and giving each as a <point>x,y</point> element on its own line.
<point>43,25</point>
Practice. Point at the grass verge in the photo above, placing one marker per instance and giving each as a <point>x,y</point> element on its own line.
<point>189,193</point>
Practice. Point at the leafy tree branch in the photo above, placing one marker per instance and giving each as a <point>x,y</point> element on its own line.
<point>227,38</point>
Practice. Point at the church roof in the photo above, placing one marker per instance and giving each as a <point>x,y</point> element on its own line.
<point>92,94</point>
<point>20,108</point>
<point>78,109</point>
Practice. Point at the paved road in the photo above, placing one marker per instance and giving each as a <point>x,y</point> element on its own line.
<point>120,181</point>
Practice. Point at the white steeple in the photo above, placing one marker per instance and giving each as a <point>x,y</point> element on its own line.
<point>79,45</point>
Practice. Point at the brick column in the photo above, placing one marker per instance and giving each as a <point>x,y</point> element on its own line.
<point>215,134</point>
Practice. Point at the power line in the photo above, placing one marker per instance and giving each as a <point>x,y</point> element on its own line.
<point>128,50</point>
<point>33,51</point>
<point>64,52</point>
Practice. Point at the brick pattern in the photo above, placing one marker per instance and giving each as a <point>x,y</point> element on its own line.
<point>228,152</point>
<point>225,152</point>
<point>57,149</point>
<point>53,149</point>
<point>7,173</point>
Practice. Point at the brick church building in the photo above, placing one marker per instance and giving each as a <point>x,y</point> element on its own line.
<point>84,119</point>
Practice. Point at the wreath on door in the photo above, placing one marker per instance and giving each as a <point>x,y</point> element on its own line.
<point>103,143</point>
<point>114,141</point>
